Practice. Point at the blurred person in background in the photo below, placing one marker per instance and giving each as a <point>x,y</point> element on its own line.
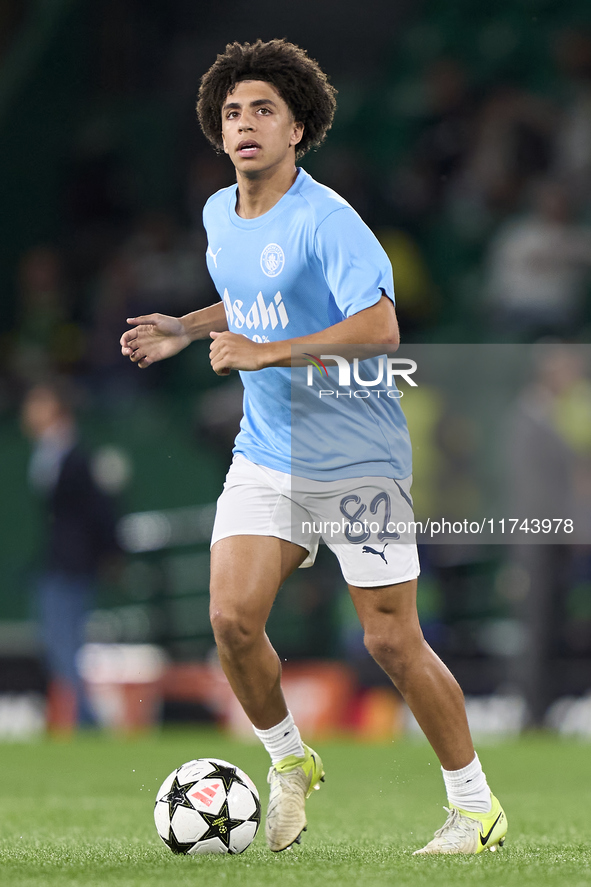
<point>549,478</point>
<point>418,301</point>
<point>113,385</point>
<point>511,142</point>
<point>538,269</point>
<point>159,264</point>
<point>165,265</point>
<point>573,137</point>
<point>46,339</point>
<point>446,109</point>
<point>80,537</point>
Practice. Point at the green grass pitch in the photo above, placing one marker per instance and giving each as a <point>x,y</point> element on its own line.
<point>80,813</point>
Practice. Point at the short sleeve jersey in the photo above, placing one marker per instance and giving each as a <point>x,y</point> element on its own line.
<point>306,264</point>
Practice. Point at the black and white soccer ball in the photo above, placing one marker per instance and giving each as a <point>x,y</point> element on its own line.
<point>207,806</point>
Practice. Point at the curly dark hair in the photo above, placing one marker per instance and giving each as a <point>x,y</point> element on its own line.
<point>298,79</point>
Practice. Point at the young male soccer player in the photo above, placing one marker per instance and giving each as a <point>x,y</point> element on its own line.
<point>295,265</point>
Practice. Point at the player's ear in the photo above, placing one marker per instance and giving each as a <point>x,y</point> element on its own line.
<point>224,144</point>
<point>297,133</point>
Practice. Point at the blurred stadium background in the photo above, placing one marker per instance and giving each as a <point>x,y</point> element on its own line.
<point>463,138</point>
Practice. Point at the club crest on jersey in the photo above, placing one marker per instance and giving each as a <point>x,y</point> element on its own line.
<point>272,260</point>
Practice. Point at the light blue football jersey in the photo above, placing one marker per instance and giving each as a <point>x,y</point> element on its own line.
<point>305,265</point>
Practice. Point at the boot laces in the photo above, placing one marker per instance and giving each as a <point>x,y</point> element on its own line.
<point>456,827</point>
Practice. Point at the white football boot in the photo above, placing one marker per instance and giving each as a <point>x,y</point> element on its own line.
<point>292,780</point>
<point>465,832</point>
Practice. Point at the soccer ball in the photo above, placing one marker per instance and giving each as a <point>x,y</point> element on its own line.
<point>207,806</point>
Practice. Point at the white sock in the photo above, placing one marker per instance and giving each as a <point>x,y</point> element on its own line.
<point>282,740</point>
<point>467,788</point>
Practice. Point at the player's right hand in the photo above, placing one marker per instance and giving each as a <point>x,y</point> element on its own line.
<point>153,337</point>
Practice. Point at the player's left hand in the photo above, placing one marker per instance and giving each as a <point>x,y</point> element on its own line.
<point>231,351</point>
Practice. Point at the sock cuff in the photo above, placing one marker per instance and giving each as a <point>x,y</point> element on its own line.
<point>467,788</point>
<point>278,730</point>
<point>459,777</point>
<point>282,740</point>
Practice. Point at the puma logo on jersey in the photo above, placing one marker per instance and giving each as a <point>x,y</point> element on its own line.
<point>213,255</point>
<point>259,315</point>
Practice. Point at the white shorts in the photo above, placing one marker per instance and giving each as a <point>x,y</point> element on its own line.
<point>370,540</point>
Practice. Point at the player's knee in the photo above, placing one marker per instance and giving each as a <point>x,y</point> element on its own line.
<point>232,631</point>
<point>392,650</point>
<point>380,647</point>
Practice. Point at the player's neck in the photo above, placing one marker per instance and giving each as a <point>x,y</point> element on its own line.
<point>258,194</point>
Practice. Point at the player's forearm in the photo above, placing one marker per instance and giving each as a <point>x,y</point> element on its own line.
<point>199,324</point>
<point>373,326</point>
